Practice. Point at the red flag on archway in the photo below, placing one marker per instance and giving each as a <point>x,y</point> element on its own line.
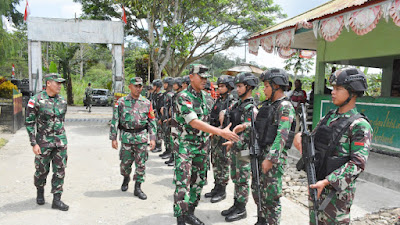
<point>27,11</point>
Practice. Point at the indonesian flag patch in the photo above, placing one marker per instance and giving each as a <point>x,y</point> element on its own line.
<point>31,103</point>
<point>189,104</point>
<point>116,105</point>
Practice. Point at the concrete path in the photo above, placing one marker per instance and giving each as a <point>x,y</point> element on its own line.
<point>92,185</point>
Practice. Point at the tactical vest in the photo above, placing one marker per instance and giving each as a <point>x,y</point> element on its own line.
<point>267,124</point>
<point>220,105</point>
<point>237,111</point>
<point>326,138</point>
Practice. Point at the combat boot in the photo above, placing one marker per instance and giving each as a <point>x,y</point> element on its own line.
<point>58,204</point>
<point>40,196</point>
<point>190,218</point>
<point>230,210</point>
<point>166,156</point>
<point>166,152</point>
<point>261,221</point>
<point>125,183</point>
<point>157,148</point>
<point>220,195</point>
<point>212,192</point>
<point>171,159</point>
<point>180,220</point>
<point>238,214</point>
<point>138,192</point>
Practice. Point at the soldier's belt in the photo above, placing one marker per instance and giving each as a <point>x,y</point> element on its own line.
<point>137,130</point>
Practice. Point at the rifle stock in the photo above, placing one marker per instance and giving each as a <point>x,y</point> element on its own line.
<point>308,156</point>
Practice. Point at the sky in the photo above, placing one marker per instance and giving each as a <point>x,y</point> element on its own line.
<point>68,9</point>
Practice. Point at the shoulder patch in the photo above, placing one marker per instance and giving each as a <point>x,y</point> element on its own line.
<point>31,103</point>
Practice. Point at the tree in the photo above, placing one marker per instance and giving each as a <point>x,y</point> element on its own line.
<point>297,64</point>
<point>63,53</point>
<point>7,9</point>
<point>179,32</point>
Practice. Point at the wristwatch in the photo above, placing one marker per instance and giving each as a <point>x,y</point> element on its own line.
<point>33,144</point>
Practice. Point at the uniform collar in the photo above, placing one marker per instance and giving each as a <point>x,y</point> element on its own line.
<point>129,97</point>
<point>193,92</point>
<point>349,113</point>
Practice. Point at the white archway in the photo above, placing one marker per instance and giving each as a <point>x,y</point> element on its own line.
<point>74,31</point>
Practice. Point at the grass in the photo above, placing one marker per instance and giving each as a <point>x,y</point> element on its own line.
<point>3,142</point>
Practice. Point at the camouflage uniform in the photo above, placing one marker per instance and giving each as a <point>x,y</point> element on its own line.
<point>191,160</point>
<point>271,182</point>
<point>220,158</point>
<point>44,122</point>
<point>174,128</point>
<point>210,103</point>
<point>167,98</point>
<point>240,163</point>
<point>354,144</point>
<point>157,100</point>
<point>136,120</point>
<point>89,96</point>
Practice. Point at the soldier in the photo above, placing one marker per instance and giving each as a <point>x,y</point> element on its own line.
<point>136,121</point>
<point>177,86</point>
<point>275,126</point>
<point>157,102</point>
<point>240,115</point>
<point>167,104</point>
<point>190,163</point>
<point>45,115</point>
<point>220,158</point>
<point>185,82</point>
<point>349,133</point>
<point>89,96</point>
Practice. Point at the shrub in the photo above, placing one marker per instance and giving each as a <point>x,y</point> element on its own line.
<point>6,89</point>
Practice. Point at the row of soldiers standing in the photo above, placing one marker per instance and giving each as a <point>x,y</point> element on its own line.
<point>342,142</point>
<point>172,109</point>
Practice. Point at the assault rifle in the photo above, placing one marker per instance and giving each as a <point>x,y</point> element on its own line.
<point>308,160</point>
<point>255,154</point>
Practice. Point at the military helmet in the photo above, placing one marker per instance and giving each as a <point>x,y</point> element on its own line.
<point>208,85</point>
<point>247,79</point>
<point>350,78</point>
<point>178,80</point>
<point>157,83</point>
<point>186,79</point>
<point>278,76</point>
<point>227,80</point>
<point>169,80</point>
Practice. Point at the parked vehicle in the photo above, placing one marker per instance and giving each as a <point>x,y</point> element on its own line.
<point>102,97</point>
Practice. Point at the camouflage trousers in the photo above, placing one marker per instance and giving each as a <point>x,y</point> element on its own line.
<point>167,137</point>
<point>220,160</point>
<point>338,209</point>
<point>240,174</point>
<point>159,135</point>
<point>270,191</point>
<point>58,157</point>
<point>190,177</point>
<point>137,153</point>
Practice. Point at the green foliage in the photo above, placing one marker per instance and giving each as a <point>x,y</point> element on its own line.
<point>3,142</point>
<point>298,64</point>
<point>179,32</point>
<point>218,63</point>
<point>99,76</point>
<point>53,67</point>
<point>374,85</point>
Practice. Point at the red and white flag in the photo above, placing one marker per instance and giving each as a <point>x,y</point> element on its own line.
<point>27,11</point>
<point>124,15</point>
<point>13,70</point>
